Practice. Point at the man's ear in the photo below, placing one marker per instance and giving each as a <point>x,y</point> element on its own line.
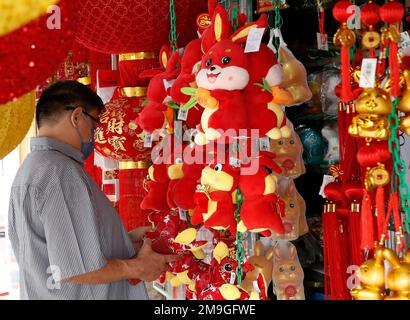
<point>75,116</point>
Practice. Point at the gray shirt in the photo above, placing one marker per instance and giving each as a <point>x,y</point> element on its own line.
<point>62,225</point>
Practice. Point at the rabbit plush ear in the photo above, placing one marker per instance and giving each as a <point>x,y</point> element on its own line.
<point>241,34</point>
<point>220,29</point>
<point>164,56</point>
<point>172,68</point>
<point>212,4</point>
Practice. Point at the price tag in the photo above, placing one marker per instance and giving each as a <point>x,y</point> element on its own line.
<point>254,40</point>
<point>148,140</point>
<point>404,41</point>
<point>182,114</point>
<point>233,278</point>
<point>322,43</point>
<point>368,74</point>
<point>182,214</point>
<point>264,144</point>
<point>326,180</point>
<point>234,162</point>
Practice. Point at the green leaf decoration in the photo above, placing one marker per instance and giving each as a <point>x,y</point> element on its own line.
<point>264,85</point>
<point>189,104</point>
<point>189,91</point>
<point>173,105</point>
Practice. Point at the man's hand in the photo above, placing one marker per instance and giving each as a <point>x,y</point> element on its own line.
<point>149,265</point>
<point>137,236</point>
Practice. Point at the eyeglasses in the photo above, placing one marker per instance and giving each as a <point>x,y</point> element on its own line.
<point>96,120</point>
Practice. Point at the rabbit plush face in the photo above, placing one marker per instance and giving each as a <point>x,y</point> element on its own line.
<point>224,67</point>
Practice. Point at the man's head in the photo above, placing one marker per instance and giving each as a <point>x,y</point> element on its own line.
<point>68,111</point>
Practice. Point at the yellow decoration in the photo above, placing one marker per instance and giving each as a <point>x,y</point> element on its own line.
<point>221,251</point>
<point>295,77</point>
<point>229,292</point>
<point>15,120</point>
<point>137,56</point>
<point>186,236</point>
<point>373,107</point>
<point>373,280</point>
<point>15,14</point>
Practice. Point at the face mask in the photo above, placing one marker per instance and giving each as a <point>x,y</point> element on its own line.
<point>87,147</point>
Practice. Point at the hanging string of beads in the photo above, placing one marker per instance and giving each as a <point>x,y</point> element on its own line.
<point>240,254</point>
<point>173,29</point>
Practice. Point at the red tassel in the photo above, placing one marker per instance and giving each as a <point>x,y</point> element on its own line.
<point>381,211</point>
<point>367,225</point>
<point>347,94</point>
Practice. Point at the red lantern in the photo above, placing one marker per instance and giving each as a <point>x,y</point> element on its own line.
<point>31,53</point>
<point>119,137</point>
<point>135,25</point>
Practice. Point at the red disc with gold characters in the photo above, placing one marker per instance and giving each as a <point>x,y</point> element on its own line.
<point>119,137</point>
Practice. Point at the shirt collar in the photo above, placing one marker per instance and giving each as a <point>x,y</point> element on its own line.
<point>46,143</point>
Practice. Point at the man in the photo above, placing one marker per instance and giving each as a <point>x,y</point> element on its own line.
<point>68,239</point>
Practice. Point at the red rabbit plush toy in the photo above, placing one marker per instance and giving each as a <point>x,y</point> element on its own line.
<point>156,113</point>
<point>261,205</point>
<point>223,75</point>
<point>190,63</point>
<point>214,199</point>
<point>156,199</point>
<point>264,109</point>
<point>194,161</point>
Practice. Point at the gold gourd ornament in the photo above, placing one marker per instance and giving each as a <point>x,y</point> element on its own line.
<point>373,107</point>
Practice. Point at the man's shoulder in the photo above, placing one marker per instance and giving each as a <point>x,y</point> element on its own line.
<point>44,167</point>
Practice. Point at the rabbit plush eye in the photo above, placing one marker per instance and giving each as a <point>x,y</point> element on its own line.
<point>226,60</point>
<point>218,167</point>
<point>292,268</point>
<point>178,161</point>
<point>281,269</point>
<point>208,62</point>
<point>292,142</point>
<point>291,205</point>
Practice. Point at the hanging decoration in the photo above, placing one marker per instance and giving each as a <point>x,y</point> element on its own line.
<point>135,25</point>
<point>16,118</point>
<point>31,52</point>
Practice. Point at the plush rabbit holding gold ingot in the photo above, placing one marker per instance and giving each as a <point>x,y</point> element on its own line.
<point>404,105</point>
<point>373,107</point>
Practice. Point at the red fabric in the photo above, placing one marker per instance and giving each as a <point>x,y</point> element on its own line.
<point>130,70</point>
<point>30,54</point>
<point>135,25</point>
<point>131,194</point>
